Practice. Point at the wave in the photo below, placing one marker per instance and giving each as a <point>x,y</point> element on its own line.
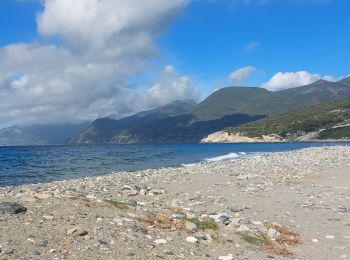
<point>224,157</point>
<point>190,164</point>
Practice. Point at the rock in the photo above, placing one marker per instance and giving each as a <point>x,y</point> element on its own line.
<point>329,237</point>
<point>201,236</point>
<point>48,217</point>
<point>190,226</point>
<point>236,208</point>
<point>11,208</point>
<point>157,192</point>
<point>77,232</point>
<point>236,221</point>
<point>160,241</point>
<point>143,192</point>
<point>175,204</point>
<point>141,187</point>
<point>226,257</point>
<point>315,240</point>
<point>191,240</point>
<point>178,215</point>
<point>132,203</point>
<point>126,187</point>
<point>132,192</point>
<point>220,218</point>
<point>71,230</point>
<point>271,233</point>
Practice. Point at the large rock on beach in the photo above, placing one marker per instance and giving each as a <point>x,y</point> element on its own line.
<point>11,208</point>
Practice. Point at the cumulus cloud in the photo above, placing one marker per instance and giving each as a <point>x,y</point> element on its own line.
<point>241,74</point>
<point>97,45</point>
<point>170,87</point>
<point>285,80</point>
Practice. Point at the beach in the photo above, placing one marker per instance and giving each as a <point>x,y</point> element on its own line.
<point>286,205</point>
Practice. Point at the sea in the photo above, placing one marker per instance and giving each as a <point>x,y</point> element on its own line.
<point>39,164</point>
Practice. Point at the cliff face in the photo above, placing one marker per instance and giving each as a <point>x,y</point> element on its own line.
<point>224,137</point>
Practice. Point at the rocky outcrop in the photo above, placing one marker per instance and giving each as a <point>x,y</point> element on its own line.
<point>225,137</point>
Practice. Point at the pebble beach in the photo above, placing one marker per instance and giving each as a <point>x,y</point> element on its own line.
<point>287,205</point>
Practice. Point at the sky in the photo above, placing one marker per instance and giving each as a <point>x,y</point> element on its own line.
<point>67,61</point>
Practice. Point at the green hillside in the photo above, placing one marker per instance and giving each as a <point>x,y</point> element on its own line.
<point>258,101</point>
<point>332,118</point>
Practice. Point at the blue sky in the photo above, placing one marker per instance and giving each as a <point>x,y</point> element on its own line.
<point>51,51</point>
<point>210,39</point>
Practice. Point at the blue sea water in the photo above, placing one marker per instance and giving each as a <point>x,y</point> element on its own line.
<point>37,164</point>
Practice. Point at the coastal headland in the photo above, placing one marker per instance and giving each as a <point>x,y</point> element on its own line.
<point>288,205</point>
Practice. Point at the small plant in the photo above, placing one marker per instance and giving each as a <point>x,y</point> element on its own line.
<point>204,224</point>
<point>117,204</point>
<point>256,241</point>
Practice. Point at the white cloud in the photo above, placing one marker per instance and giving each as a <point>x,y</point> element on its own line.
<point>170,87</point>
<point>241,74</point>
<point>101,44</point>
<point>285,80</point>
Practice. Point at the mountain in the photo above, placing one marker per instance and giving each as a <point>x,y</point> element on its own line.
<point>324,121</point>
<point>104,130</point>
<point>231,106</point>
<point>258,101</point>
<point>39,134</point>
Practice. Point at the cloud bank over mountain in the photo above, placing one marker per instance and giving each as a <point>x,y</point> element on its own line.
<point>79,67</point>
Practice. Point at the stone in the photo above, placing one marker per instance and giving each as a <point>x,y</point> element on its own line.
<point>190,226</point>
<point>271,233</point>
<point>191,240</point>
<point>157,192</point>
<point>329,237</point>
<point>71,230</point>
<point>236,208</point>
<point>201,236</point>
<point>48,217</point>
<point>178,215</point>
<point>226,257</point>
<point>315,240</point>
<point>175,204</point>
<point>11,208</point>
<point>160,241</point>
<point>132,203</point>
<point>143,192</point>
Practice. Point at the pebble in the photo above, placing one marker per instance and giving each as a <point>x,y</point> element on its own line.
<point>236,208</point>
<point>191,240</point>
<point>226,257</point>
<point>190,226</point>
<point>271,233</point>
<point>160,241</point>
<point>132,203</point>
<point>175,203</point>
<point>329,237</point>
<point>315,240</point>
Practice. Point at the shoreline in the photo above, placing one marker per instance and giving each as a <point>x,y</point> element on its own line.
<point>214,210</point>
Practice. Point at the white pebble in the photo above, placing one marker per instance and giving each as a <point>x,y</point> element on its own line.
<point>160,241</point>
<point>191,240</point>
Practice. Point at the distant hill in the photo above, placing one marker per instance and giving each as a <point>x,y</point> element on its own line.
<point>39,134</point>
<point>105,130</point>
<point>258,101</point>
<point>232,106</point>
<point>325,121</point>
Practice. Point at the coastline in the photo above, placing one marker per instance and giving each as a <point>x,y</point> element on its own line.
<point>148,214</point>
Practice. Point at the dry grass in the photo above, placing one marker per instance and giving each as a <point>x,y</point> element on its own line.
<point>117,204</point>
<point>285,237</point>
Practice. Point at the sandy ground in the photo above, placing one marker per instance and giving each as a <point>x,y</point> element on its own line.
<point>293,205</point>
